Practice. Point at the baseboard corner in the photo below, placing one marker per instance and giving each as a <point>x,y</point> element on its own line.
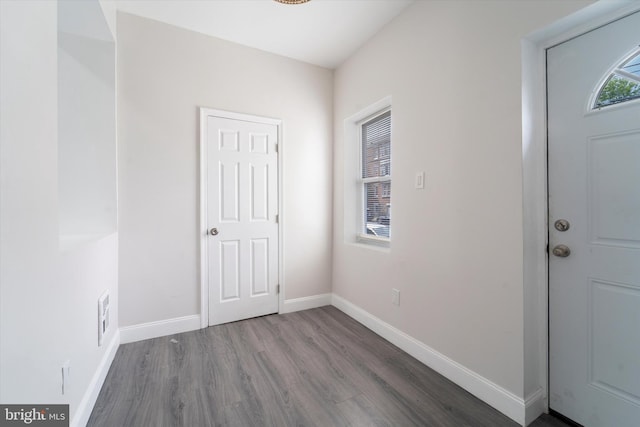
<point>85,407</point>
<point>496,396</point>
<point>305,303</point>
<point>534,406</point>
<point>160,328</point>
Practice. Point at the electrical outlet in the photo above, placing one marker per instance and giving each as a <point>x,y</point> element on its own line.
<point>66,375</point>
<point>395,296</point>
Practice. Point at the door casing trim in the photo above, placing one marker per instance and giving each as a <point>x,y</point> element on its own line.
<point>534,184</point>
<point>202,229</point>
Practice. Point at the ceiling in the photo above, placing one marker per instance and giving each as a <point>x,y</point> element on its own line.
<point>321,32</point>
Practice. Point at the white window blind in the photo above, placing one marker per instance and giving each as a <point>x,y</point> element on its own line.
<point>375,182</point>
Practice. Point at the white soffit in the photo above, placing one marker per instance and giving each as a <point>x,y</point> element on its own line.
<point>321,32</point>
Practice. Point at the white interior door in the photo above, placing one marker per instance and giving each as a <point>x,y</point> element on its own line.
<point>242,223</point>
<point>594,184</point>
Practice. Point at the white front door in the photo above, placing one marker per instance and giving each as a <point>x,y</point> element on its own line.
<point>241,215</point>
<point>594,185</point>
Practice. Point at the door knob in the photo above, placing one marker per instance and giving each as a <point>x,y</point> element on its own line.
<point>213,231</point>
<point>561,251</point>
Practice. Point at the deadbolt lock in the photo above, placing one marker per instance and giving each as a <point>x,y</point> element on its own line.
<point>562,225</point>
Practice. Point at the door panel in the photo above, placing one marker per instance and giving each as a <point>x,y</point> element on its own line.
<point>229,192</point>
<point>229,270</point>
<point>259,192</point>
<point>611,356</point>
<point>259,267</point>
<point>594,184</point>
<point>242,204</point>
<point>614,176</point>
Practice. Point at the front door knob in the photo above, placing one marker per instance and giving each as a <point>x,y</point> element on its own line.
<point>213,232</point>
<point>561,251</point>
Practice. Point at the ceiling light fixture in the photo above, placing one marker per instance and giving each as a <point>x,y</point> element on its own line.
<point>292,1</point>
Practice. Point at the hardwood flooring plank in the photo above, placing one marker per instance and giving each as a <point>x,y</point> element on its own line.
<point>359,411</point>
<point>316,367</point>
<point>364,372</point>
<point>286,362</point>
<point>329,319</point>
<point>264,329</point>
<point>448,397</point>
<point>272,389</point>
<point>334,322</point>
<point>319,366</point>
<point>244,338</point>
<point>315,410</point>
<point>217,339</point>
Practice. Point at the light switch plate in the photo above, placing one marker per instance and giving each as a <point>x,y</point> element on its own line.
<point>395,296</point>
<point>420,180</point>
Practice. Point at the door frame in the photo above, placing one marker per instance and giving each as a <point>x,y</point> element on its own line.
<point>535,185</point>
<point>205,112</point>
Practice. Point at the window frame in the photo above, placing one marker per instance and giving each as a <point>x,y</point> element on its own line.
<point>361,182</point>
<point>615,70</point>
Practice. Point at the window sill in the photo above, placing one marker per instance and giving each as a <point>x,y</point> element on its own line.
<point>373,241</point>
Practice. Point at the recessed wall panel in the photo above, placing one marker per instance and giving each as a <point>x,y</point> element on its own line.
<point>259,267</point>
<point>229,192</point>
<point>259,195</point>
<point>229,140</point>
<point>614,335</point>
<point>259,143</point>
<point>614,190</point>
<point>229,270</point>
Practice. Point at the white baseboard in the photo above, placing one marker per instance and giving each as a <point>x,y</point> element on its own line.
<point>85,406</point>
<point>534,405</point>
<point>485,390</point>
<point>161,328</point>
<point>305,303</point>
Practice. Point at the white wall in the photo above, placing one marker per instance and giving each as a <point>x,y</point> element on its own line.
<point>48,297</point>
<point>164,75</point>
<point>453,71</point>
<point>86,123</point>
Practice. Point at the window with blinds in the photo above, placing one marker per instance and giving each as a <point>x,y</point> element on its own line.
<point>375,176</point>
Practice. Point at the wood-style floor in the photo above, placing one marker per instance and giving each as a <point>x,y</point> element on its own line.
<point>311,368</point>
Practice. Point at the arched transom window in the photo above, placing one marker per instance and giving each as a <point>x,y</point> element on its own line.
<point>622,85</point>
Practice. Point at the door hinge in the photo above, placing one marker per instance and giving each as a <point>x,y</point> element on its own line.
<point>277,219</point>
<point>277,289</point>
<point>277,147</point>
